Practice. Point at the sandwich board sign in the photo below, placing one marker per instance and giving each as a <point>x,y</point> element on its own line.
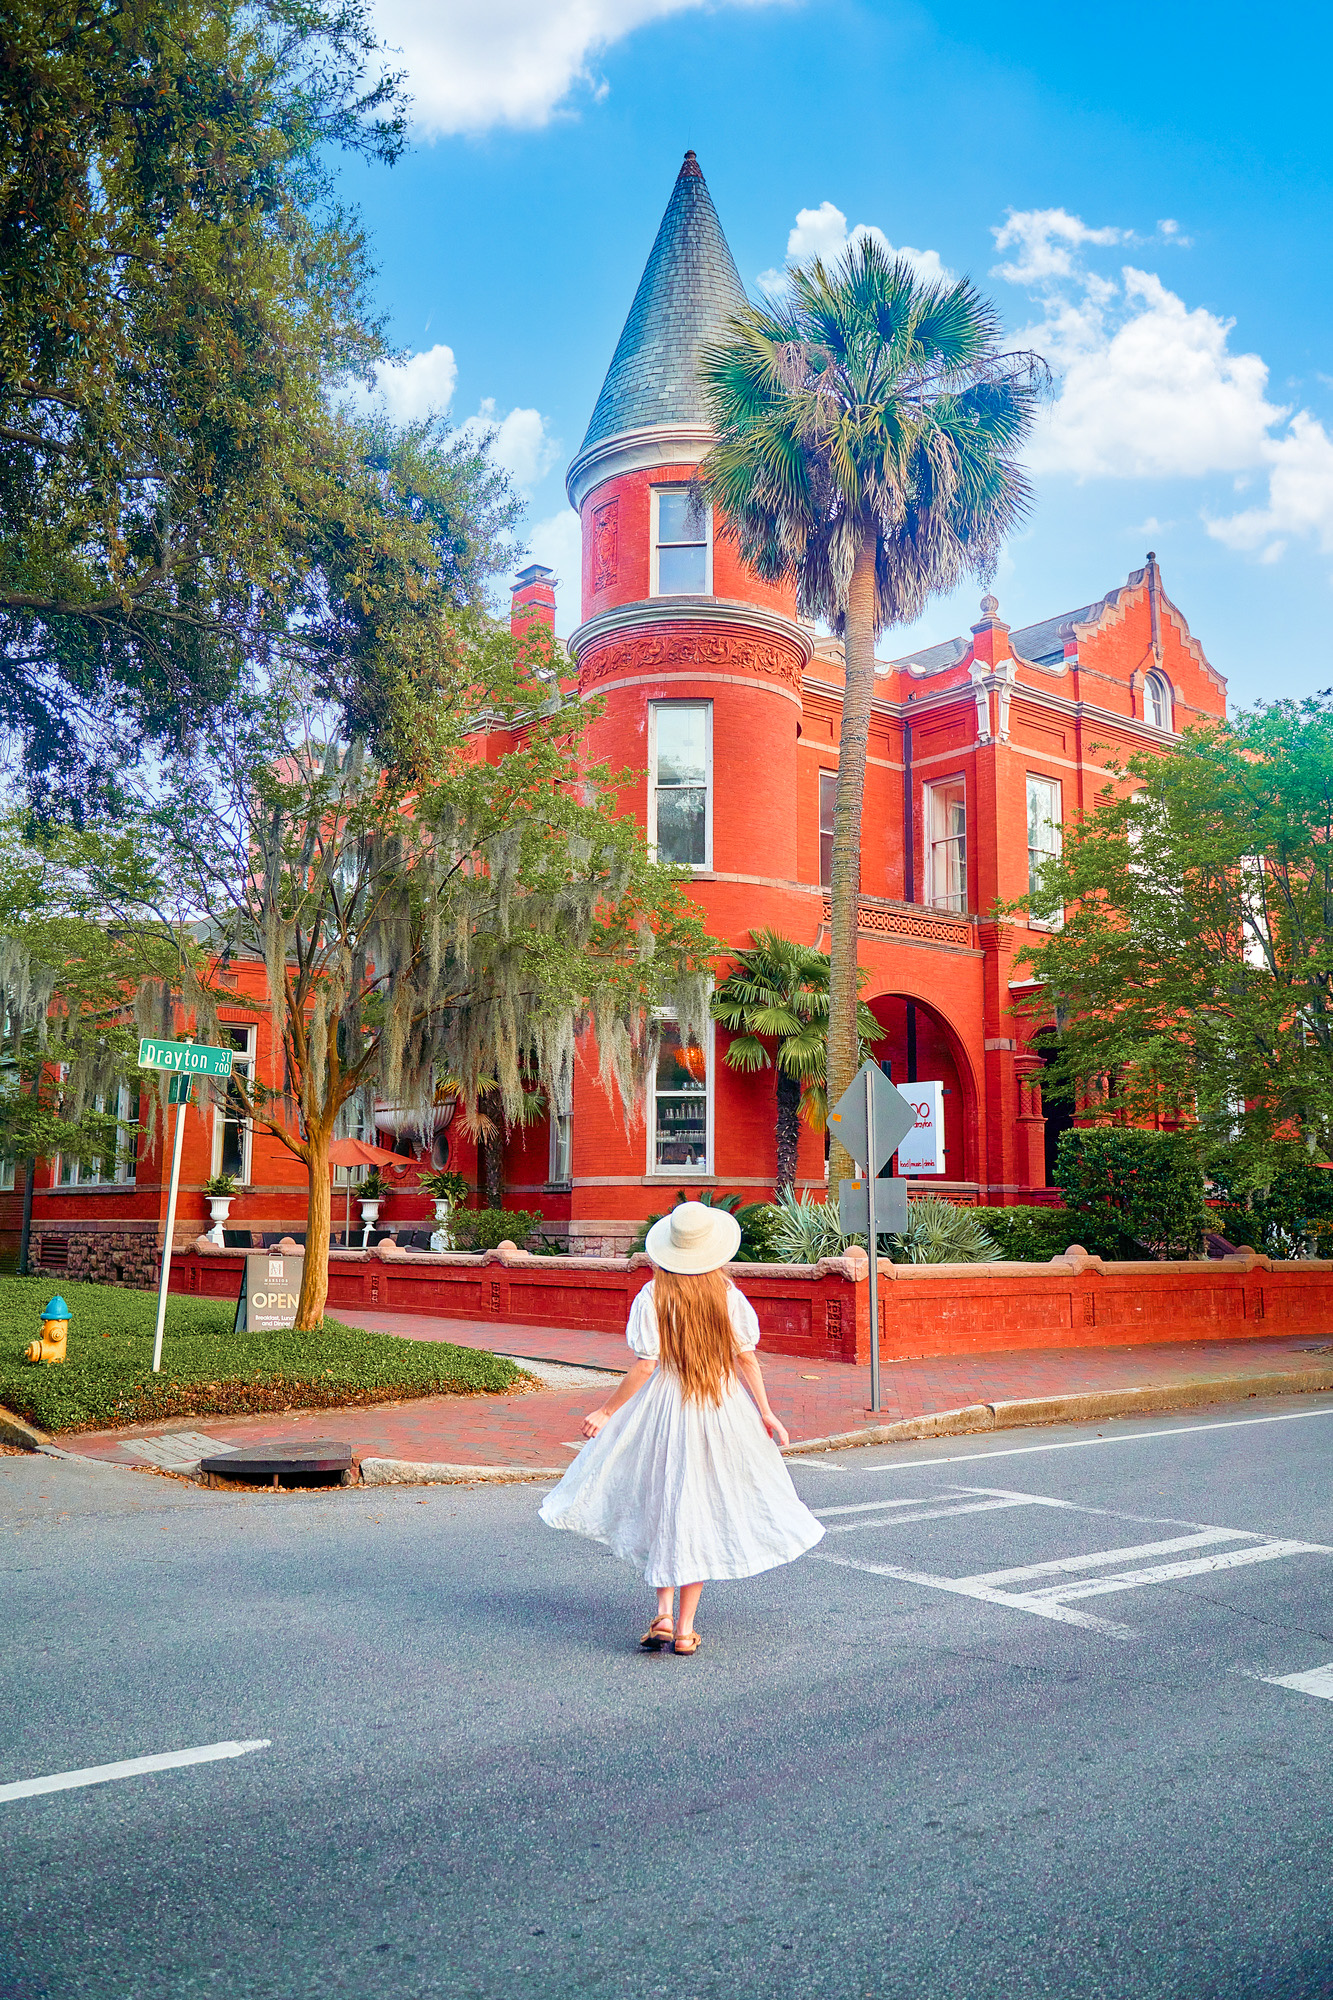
<point>269,1291</point>
<point>922,1150</point>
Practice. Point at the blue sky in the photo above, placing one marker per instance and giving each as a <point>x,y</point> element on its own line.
<point>1144,190</point>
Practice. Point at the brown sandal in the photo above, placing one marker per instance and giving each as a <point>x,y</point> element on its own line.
<point>685,1644</point>
<point>659,1635</point>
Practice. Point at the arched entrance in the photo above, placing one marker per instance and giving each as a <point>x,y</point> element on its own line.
<point>919,1046</point>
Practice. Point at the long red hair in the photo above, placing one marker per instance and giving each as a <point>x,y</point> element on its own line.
<point>694,1326</point>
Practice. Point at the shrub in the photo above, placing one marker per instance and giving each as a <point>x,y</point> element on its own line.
<point>1128,1190</point>
<point>1290,1216</point>
<point>756,1218</point>
<point>941,1232</point>
<point>1029,1235</point>
<point>488,1228</point>
<point>938,1232</point>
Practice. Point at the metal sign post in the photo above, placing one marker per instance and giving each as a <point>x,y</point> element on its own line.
<point>872,1240</point>
<point>872,1118</point>
<point>183,1061</point>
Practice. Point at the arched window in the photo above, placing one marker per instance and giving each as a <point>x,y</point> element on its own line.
<point>1157,701</point>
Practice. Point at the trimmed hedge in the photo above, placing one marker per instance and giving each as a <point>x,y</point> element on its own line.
<point>1132,1191</point>
<point>207,1370</point>
<point>488,1228</point>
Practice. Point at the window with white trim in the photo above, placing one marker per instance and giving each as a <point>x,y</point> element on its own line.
<point>680,1105</point>
<point>1044,841</point>
<point>232,1132</point>
<point>680,764</point>
<point>1157,701</point>
<point>682,547</point>
<point>946,844</point>
<point>1256,934</point>
<point>561,1165</point>
<point>119,1165</point>
<point>828,796</point>
<point>353,1122</point>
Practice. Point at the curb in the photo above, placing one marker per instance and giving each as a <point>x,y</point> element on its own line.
<point>1082,1408</point>
<point>13,1430</point>
<point>407,1472</point>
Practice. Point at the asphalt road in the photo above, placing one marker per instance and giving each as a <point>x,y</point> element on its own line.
<point>879,1777</point>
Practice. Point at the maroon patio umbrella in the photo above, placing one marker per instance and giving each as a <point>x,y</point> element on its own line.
<point>356,1153</point>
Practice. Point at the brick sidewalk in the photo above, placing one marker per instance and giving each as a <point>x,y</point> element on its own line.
<point>818,1400</point>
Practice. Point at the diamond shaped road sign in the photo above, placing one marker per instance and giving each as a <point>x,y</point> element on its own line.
<point>894,1118</point>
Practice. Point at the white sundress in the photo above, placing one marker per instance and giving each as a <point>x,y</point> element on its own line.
<point>685,1491</point>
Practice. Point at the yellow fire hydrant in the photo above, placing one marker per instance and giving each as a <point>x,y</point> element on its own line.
<point>55,1332</point>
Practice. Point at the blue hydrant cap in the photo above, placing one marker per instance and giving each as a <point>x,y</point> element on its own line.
<point>57,1309</point>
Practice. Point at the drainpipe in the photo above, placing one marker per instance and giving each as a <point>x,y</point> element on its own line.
<point>909,878</point>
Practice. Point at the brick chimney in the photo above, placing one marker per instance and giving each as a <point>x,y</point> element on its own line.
<point>533,597</point>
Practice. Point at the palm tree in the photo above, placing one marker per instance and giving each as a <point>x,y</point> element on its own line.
<point>778,994</point>
<point>867,432</point>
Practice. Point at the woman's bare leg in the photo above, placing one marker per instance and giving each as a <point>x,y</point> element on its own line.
<point>689,1604</point>
<point>665,1595</point>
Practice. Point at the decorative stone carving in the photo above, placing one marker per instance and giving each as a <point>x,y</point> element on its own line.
<point>605,544</point>
<point>683,648</point>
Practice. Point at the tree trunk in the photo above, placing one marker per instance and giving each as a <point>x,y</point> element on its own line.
<point>315,1276</point>
<point>491,1154</point>
<point>845,886</point>
<point>789,1131</point>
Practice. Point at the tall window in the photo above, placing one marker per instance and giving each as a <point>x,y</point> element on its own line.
<point>946,845</point>
<point>1157,701</point>
<point>119,1164</point>
<point>682,552</point>
<point>562,1149</point>
<point>353,1122</point>
<point>679,1123</point>
<point>679,767</point>
<point>231,1127</point>
<point>1043,837</point>
<point>828,792</point>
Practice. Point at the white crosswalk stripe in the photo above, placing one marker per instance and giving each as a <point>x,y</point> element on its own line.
<point>1130,1568</point>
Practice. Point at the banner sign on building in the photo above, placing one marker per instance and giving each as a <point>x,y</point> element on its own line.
<point>271,1287</point>
<point>922,1151</point>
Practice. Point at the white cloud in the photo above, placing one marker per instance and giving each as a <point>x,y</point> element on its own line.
<point>1046,239</point>
<point>823,232</point>
<point>510,62</point>
<point>520,441</point>
<point>1150,387</point>
<point>1300,494</point>
<point>406,391</point>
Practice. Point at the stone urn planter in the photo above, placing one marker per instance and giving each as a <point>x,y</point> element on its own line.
<point>219,1208</point>
<point>440,1237</point>
<point>370,1212</point>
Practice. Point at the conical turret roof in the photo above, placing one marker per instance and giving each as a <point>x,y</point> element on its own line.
<point>690,286</point>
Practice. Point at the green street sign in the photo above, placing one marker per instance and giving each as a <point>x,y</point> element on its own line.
<point>185,1058</point>
<point>178,1089</point>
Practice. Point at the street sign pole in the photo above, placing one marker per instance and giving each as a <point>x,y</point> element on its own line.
<point>872,1240</point>
<point>164,1281</point>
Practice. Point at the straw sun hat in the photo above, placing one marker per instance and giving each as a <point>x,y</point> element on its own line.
<point>694,1238</point>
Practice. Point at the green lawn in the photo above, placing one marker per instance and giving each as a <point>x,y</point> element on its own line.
<point>207,1370</point>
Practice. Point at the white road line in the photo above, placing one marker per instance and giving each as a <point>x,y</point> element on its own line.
<point>1316,1680</point>
<point>883,1520</point>
<point>132,1767</point>
<point>878,1506</point>
<point>966,1587</point>
<point>1077,1444</point>
<point>1062,1565</point>
<point>1168,1572</point>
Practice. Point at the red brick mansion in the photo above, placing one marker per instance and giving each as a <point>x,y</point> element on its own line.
<point>980,748</point>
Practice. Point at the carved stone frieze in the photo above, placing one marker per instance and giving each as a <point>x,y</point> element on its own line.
<point>683,647</point>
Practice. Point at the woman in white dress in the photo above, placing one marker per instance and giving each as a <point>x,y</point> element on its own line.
<point>683,1476</point>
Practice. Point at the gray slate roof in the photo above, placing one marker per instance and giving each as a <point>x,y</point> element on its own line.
<point>689,287</point>
<point>1029,642</point>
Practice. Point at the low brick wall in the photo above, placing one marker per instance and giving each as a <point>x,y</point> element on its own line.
<point>822,1311</point>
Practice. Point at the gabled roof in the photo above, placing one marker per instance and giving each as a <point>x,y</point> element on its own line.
<point>689,288</point>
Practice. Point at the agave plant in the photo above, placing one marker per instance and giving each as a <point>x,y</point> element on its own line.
<point>938,1232</point>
